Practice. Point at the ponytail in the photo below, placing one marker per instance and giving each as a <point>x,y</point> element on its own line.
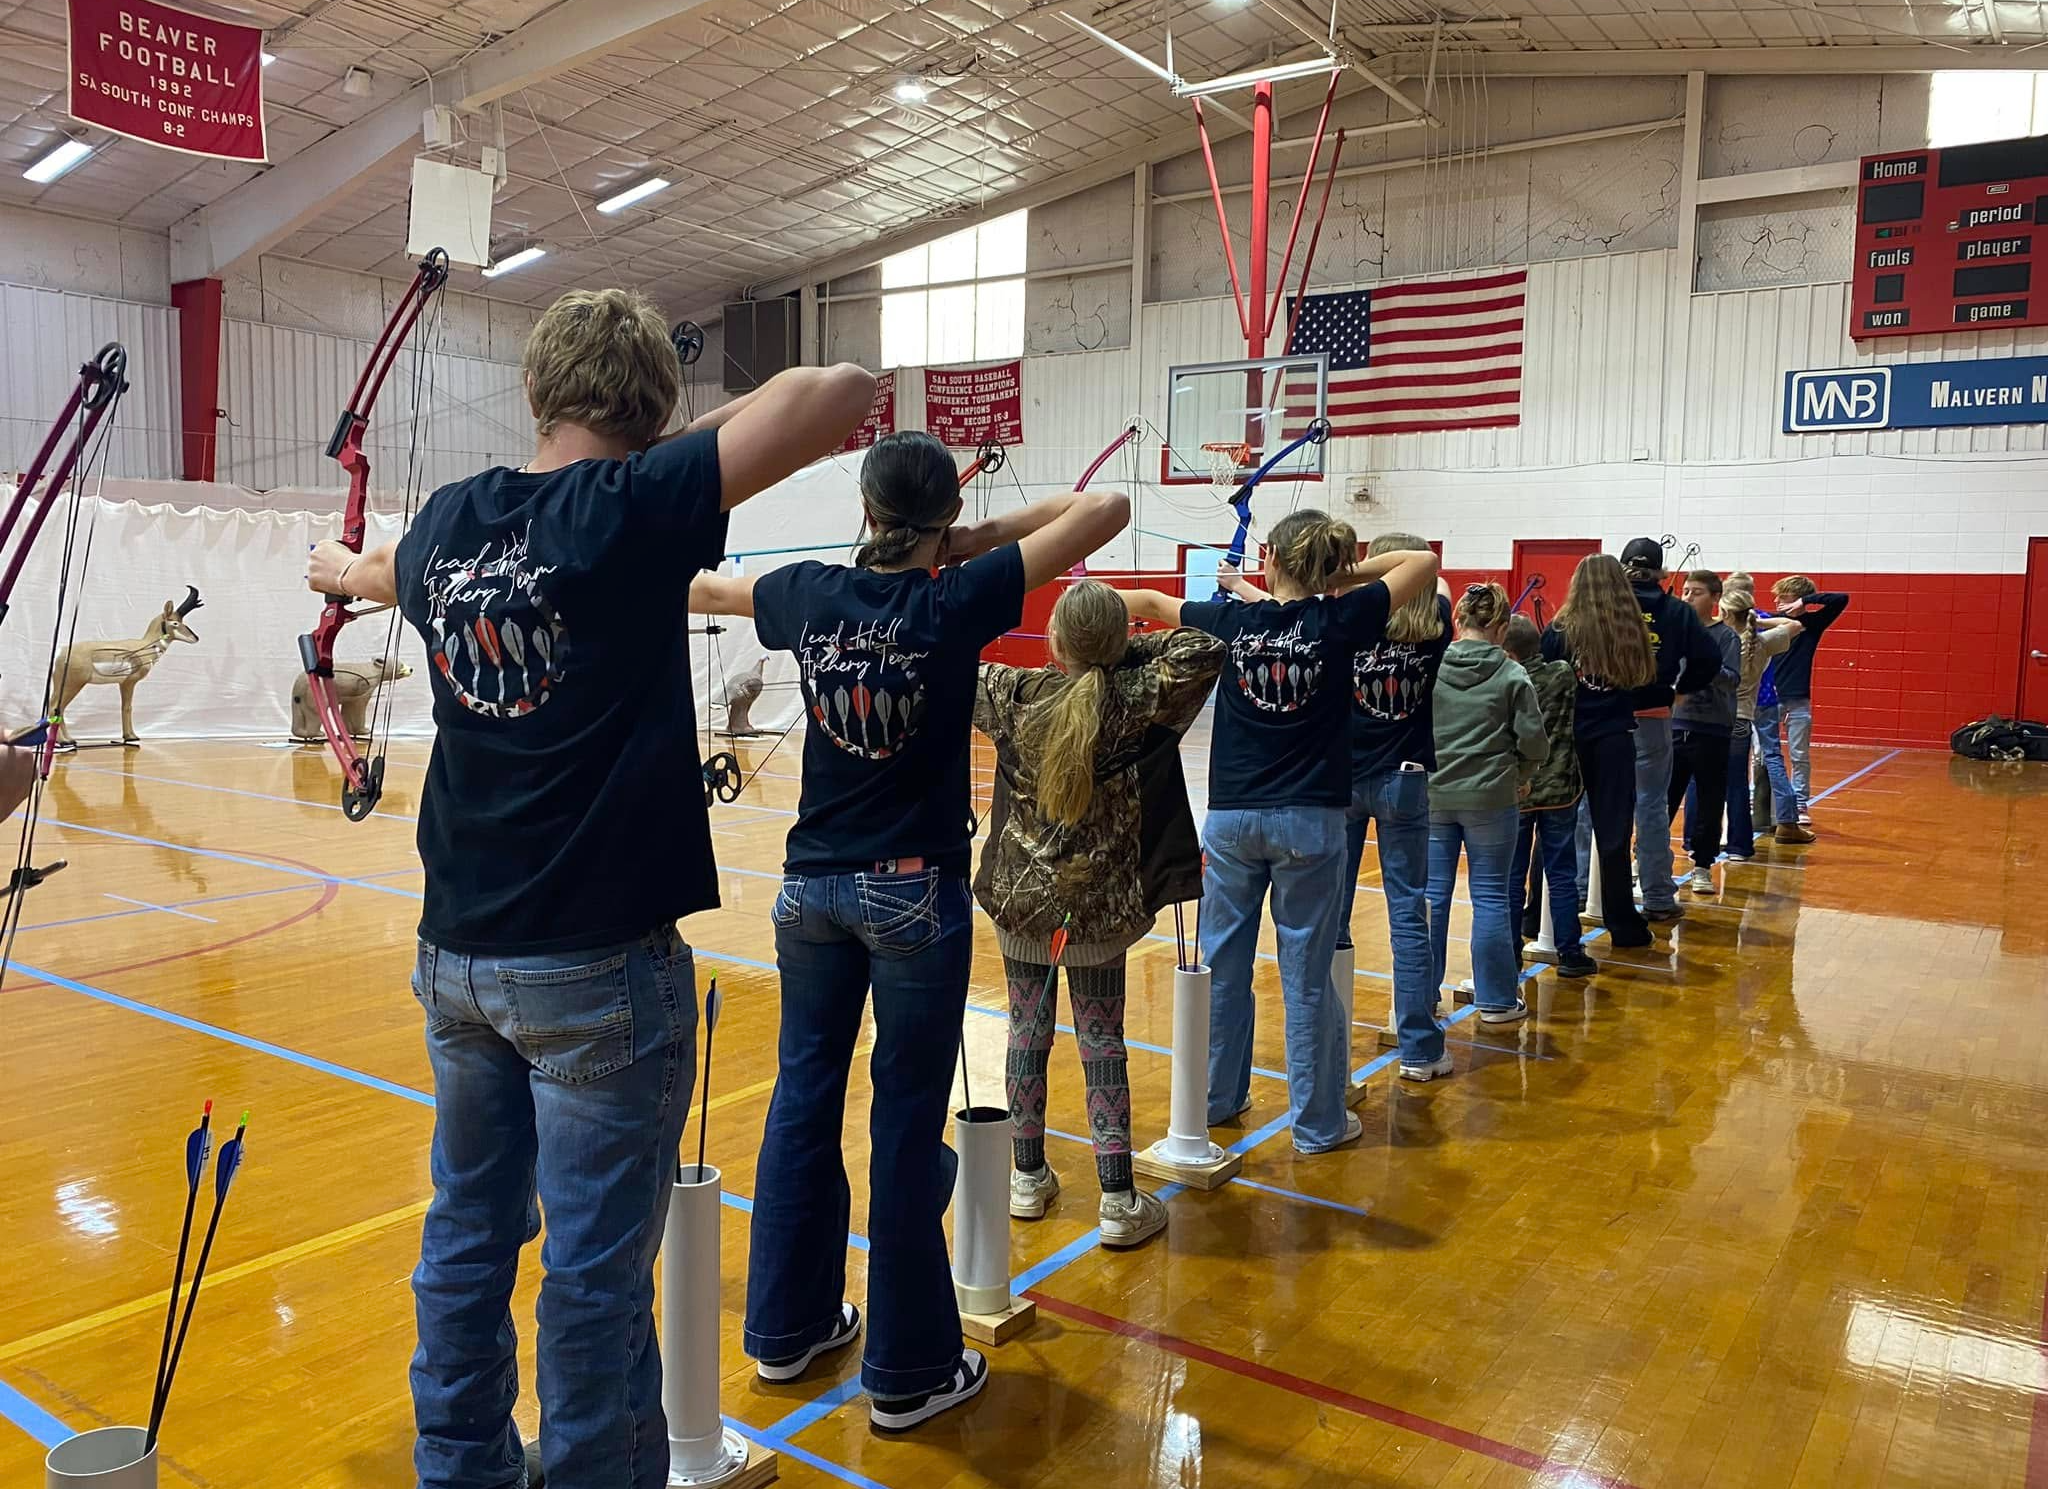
<point>1090,629</point>
<point>1482,607</point>
<point>1312,549</point>
<point>909,489</point>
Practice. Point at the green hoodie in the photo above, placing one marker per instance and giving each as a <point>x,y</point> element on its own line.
<point>1489,730</point>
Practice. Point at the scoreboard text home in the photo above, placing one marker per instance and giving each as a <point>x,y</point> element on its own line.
<point>1946,239</point>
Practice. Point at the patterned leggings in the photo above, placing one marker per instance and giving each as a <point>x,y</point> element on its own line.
<point>1097,996</point>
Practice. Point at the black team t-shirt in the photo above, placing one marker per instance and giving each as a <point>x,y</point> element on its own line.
<point>1391,685</point>
<point>563,807</point>
<point>1794,672</point>
<point>888,665</point>
<point>1283,706</point>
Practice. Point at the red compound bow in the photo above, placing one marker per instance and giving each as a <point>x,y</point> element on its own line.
<point>362,780</point>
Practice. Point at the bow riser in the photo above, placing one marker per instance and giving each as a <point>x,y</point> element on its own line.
<point>362,780</point>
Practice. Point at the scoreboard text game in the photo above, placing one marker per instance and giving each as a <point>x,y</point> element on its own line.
<point>1946,240</point>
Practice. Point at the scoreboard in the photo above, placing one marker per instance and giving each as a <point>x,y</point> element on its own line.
<point>1947,240</point>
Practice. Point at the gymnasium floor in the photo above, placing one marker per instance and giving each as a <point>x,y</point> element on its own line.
<point>1766,1207</point>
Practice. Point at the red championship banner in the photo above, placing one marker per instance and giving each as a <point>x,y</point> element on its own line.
<point>168,77</point>
<point>881,417</point>
<point>966,406</point>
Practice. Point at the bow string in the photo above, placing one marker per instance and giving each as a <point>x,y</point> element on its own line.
<point>363,779</point>
<point>72,451</point>
<point>1318,430</point>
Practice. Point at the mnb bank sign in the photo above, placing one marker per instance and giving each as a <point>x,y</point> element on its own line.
<point>1918,395</point>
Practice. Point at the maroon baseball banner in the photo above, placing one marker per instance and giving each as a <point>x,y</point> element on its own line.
<point>881,417</point>
<point>168,77</point>
<point>966,406</point>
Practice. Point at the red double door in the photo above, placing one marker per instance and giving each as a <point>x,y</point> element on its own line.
<point>1549,561</point>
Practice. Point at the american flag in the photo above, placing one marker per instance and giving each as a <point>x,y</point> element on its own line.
<point>1408,358</point>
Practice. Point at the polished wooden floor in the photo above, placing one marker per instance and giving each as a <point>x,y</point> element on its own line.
<point>1766,1207</point>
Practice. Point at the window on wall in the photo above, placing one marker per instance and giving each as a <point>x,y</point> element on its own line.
<point>960,299</point>
<point>1968,108</point>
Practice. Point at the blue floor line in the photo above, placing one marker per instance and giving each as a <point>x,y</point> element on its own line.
<point>1306,1199</point>
<point>816,1409</point>
<point>254,863</point>
<point>30,1418</point>
<point>295,1057</point>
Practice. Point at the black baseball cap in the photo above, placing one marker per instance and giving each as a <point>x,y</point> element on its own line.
<point>1646,554</point>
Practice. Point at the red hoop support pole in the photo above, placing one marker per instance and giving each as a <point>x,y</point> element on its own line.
<point>1244,324</point>
<point>1308,177</point>
<point>1315,237</point>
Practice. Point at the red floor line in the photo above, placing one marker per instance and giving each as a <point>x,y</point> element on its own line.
<point>328,890</point>
<point>1378,1411</point>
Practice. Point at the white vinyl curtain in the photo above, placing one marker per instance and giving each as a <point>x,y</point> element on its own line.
<point>247,561</point>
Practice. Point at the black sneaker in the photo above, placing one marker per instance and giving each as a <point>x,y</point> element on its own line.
<point>1576,964</point>
<point>790,1367</point>
<point>901,1413</point>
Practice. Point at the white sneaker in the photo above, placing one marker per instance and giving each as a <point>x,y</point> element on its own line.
<point>1030,1193</point>
<point>791,1367</point>
<point>1427,1070</point>
<point>1353,1130</point>
<point>900,1413</point>
<point>1513,1015</point>
<point>1128,1217</point>
<point>1806,819</point>
<point>1702,881</point>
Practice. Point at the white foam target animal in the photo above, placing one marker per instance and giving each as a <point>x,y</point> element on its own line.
<point>120,663</point>
<point>355,685</point>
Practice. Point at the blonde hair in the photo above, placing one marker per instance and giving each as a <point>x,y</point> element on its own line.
<point>1602,622</point>
<point>602,359</point>
<point>1090,629</point>
<point>1418,619</point>
<point>1738,609</point>
<point>1481,607</point>
<point>1310,549</point>
<point>1794,587</point>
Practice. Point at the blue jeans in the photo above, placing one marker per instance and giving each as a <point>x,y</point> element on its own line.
<point>909,937</point>
<point>1784,800</point>
<point>1798,714</point>
<point>566,1079</point>
<point>1488,838</point>
<point>1741,826</point>
<point>1653,816</point>
<point>1299,853</point>
<point>1398,800</point>
<point>1556,832</point>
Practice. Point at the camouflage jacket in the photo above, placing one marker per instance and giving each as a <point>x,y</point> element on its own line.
<point>1136,849</point>
<point>1556,782</point>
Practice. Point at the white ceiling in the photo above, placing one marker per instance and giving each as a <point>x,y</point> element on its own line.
<point>775,117</point>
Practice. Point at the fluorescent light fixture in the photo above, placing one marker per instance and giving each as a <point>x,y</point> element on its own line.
<point>910,90</point>
<point>267,58</point>
<point>633,194</point>
<point>518,260</point>
<point>58,161</point>
<point>1307,67</point>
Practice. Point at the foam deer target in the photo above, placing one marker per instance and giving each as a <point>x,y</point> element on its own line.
<point>355,687</point>
<point>120,663</point>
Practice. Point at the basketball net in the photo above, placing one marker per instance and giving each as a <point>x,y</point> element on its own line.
<point>1227,463</point>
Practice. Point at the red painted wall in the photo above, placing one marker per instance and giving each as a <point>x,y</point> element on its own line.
<point>1914,656</point>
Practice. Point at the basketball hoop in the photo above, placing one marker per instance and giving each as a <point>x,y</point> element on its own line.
<point>1227,462</point>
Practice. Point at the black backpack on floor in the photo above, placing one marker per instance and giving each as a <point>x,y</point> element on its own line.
<point>1998,738</point>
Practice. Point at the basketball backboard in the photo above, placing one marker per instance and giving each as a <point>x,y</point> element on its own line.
<point>1224,418</point>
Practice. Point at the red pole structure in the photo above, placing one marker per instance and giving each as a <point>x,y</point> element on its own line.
<point>1262,189</point>
<point>1308,176</point>
<point>1315,236</point>
<point>1244,321</point>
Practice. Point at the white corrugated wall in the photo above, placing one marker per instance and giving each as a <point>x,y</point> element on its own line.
<point>46,334</point>
<point>1744,342</point>
<point>284,388</point>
